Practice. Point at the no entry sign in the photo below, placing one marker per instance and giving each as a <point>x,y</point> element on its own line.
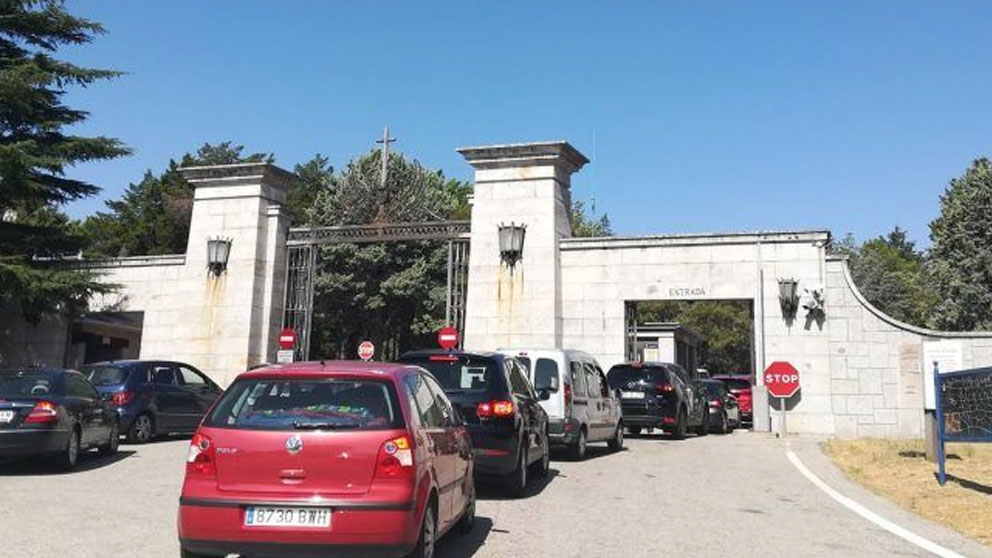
<point>287,338</point>
<point>781,379</point>
<point>447,338</point>
<point>366,350</point>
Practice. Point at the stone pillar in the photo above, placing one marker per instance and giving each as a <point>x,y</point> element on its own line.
<point>520,183</point>
<point>227,323</point>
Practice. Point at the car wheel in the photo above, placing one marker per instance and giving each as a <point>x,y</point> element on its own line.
<point>69,457</point>
<point>467,522</point>
<point>704,427</point>
<point>578,449</point>
<point>428,536</point>
<point>634,430</point>
<point>616,443</point>
<point>142,431</point>
<point>516,482</point>
<point>680,426</point>
<point>112,443</point>
<point>543,466</point>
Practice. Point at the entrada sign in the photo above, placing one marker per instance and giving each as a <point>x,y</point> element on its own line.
<point>686,291</point>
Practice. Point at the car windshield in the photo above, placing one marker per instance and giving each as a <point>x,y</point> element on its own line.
<point>622,374</point>
<point>28,383</point>
<point>733,383</point>
<point>106,375</point>
<point>458,373</point>
<point>297,404</point>
<point>713,389</point>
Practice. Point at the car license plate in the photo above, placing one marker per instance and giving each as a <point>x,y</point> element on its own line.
<point>6,416</point>
<point>266,516</point>
<point>632,395</point>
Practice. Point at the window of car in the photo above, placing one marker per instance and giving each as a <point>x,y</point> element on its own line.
<point>441,400</point>
<point>459,372</point>
<point>103,375</point>
<point>545,371</point>
<point>163,375</point>
<point>30,383</point>
<point>192,377</point>
<point>77,386</point>
<point>578,378</point>
<point>622,374</point>
<point>592,381</point>
<point>300,404</point>
<point>431,413</point>
<point>518,380</point>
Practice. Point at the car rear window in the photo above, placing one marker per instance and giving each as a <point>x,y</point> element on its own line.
<point>459,373</point>
<point>297,404</point>
<point>737,384</point>
<point>713,389</point>
<point>29,383</point>
<point>106,375</point>
<point>544,371</point>
<point>622,374</point>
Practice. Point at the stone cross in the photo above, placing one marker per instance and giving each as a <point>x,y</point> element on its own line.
<point>383,193</point>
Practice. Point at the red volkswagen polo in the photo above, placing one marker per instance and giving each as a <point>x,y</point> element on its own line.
<point>335,459</point>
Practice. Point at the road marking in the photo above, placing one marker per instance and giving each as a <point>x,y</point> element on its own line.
<point>864,512</point>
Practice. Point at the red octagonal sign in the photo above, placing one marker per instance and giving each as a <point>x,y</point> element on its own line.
<point>781,379</point>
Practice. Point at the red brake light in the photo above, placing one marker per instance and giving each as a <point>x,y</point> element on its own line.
<point>121,398</point>
<point>395,459</point>
<point>43,412</point>
<point>568,400</point>
<point>442,358</point>
<point>665,388</point>
<point>201,458</point>
<point>498,409</point>
<point>716,403</point>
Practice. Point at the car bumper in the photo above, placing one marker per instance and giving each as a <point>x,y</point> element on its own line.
<point>217,528</point>
<point>17,443</point>
<point>564,432</point>
<point>496,448</point>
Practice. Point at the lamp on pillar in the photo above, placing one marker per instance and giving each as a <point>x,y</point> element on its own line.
<point>511,243</point>
<point>218,251</point>
<point>788,297</point>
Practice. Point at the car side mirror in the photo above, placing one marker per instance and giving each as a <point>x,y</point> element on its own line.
<point>553,386</point>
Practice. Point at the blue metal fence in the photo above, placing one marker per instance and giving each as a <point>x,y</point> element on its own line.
<point>964,410</point>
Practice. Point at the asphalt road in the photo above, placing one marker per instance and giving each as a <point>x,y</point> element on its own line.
<point>713,496</point>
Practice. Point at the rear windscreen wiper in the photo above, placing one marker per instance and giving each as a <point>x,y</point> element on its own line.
<point>321,426</point>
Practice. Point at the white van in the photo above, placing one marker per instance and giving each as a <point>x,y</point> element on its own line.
<point>581,407</point>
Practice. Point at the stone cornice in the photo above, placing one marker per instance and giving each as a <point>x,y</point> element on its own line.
<point>759,237</point>
<point>551,153</point>
<point>239,174</point>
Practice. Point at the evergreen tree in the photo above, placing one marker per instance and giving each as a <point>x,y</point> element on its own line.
<point>36,151</point>
<point>961,253</point>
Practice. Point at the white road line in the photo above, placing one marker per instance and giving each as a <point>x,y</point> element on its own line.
<point>864,512</point>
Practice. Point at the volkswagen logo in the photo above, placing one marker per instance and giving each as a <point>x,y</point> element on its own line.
<point>294,444</point>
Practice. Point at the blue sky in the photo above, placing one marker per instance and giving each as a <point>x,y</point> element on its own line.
<point>697,117</point>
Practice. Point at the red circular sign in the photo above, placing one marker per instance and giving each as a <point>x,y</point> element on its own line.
<point>287,338</point>
<point>781,379</point>
<point>447,338</point>
<point>366,350</point>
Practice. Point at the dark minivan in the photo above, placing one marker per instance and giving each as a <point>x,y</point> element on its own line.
<point>491,392</point>
<point>154,396</point>
<point>660,395</point>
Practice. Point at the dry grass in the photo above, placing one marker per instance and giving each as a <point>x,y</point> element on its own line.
<point>897,470</point>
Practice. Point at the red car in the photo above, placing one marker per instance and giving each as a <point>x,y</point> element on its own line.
<point>739,387</point>
<point>335,459</point>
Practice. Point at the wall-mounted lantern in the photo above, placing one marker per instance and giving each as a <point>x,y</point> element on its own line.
<point>511,243</point>
<point>218,252</point>
<point>788,297</point>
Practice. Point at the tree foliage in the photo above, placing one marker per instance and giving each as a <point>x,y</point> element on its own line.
<point>961,251</point>
<point>585,225</point>
<point>153,215</point>
<point>35,152</point>
<point>725,324</point>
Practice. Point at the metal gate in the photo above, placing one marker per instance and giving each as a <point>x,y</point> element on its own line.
<point>302,258</point>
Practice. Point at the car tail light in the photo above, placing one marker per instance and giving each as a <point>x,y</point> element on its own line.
<point>121,398</point>
<point>42,413</point>
<point>201,458</point>
<point>498,409</point>
<point>716,403</point>
<point>568,400</point>
<point>395,459</point>
<point>442,358</point>
<point>664,388</point>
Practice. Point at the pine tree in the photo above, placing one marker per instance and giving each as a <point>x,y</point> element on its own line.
<point>35,152</point>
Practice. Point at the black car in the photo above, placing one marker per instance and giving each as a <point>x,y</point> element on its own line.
<point>491,392</point>
<point>725,414</point>
<point>660,395</point>
<point>154,396</point>
<point>55,413</point>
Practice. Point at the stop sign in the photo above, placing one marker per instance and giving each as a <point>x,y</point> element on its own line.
<point>287,338</point>
<point>447,338</point>
<point>366,350</point>
<point>781,379</point>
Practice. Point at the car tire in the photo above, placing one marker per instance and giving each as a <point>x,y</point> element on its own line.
<point>577,451</point>
<point>634,430</point>
<point>704,427</point>
<point>516,482</point>
<point>113,442</point>
<point>428,535</point>
<point>616,442</point>
<point>542,467</point>
<point>467,521</point>
<point>678,433</point>
<point>68,458</point>
<point>142,429</point>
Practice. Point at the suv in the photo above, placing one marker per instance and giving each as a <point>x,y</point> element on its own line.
<point>491,392</point>
<point>327,459</point>
<point>581,406</point>
<point>660,394</point>
<point>153,396</point>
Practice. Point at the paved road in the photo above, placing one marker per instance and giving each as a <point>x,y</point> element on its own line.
<point>713,496</point>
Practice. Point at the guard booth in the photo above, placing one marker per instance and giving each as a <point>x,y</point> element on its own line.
<point>668,342</point>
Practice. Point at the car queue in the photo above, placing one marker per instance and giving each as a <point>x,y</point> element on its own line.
<point>352,458</point>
